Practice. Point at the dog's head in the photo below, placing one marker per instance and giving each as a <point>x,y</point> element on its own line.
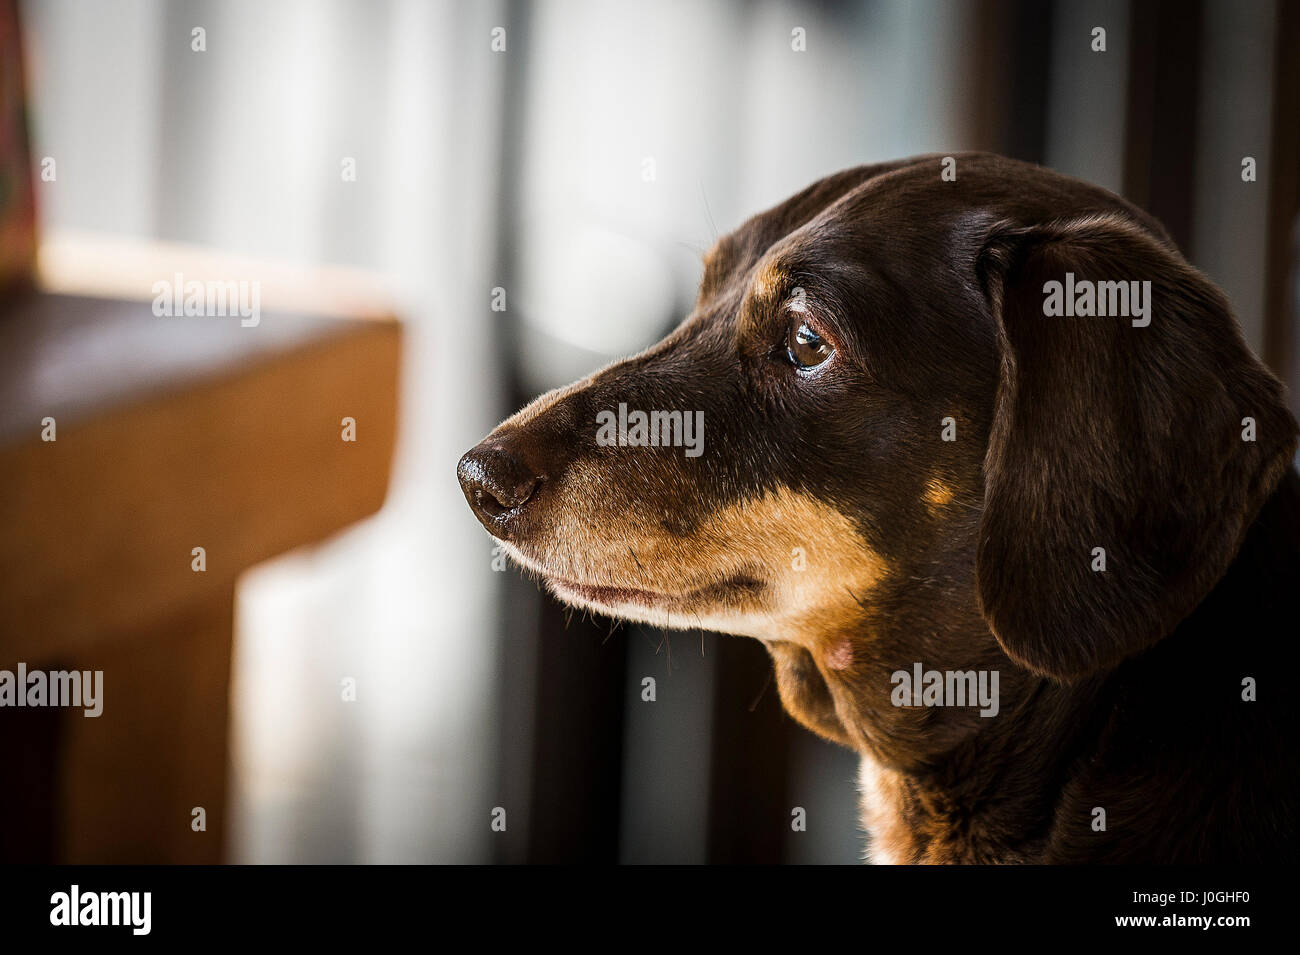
<point>872,442</point>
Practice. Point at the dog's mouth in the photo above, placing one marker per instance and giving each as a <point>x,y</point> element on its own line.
<point>732,590</point>
<point>714,597</point>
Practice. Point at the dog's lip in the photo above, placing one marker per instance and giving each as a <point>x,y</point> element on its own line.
<point>613,596</point>
<point>608,595</point>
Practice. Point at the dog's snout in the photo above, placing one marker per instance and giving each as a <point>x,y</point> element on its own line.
<point>497,482</point>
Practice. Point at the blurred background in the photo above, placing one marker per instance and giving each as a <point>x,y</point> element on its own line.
<point>532,187</point>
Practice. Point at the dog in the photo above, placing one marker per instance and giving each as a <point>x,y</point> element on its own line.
<point>993,426</point>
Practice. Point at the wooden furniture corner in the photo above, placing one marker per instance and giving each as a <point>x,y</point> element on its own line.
<point>171,433</point>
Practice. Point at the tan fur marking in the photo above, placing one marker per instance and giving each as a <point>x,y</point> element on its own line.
<point>839,565</point>
<point>597,539</point>
<point>769,281</point>
<point>937,494</point>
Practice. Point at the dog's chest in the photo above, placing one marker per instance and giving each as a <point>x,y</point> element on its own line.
<point>889,837</point>
<point>907,825</point>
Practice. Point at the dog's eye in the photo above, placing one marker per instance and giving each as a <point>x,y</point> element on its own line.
<point>805,347</point>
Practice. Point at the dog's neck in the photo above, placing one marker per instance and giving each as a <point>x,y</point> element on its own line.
<point>943,782</point>
<point>989,798</point>
<point>922,618</point>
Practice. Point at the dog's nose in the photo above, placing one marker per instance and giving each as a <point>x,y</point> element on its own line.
<point>497,483</point>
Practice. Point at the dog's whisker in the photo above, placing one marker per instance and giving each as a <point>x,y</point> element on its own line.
<point>636,560</point>
<point>856,599</point>
<point>666,644</point>
<point>614,625</point>
<point>707,211</point>
<point>762,690</point>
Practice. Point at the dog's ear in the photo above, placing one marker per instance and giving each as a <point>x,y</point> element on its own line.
<point>1127,455</point>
